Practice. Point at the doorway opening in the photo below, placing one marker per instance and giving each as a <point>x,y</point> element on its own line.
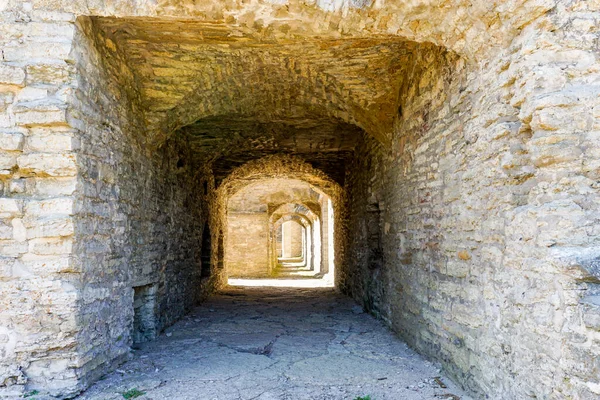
<point>280,232</point>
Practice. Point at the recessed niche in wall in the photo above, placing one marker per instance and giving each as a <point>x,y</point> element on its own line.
<point>144,313</point>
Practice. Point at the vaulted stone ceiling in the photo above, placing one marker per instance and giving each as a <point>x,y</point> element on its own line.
<point>237,94</point>
<point>271,194</point>
<point>231,141</point>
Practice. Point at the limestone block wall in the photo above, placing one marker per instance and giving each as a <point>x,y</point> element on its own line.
<point>488,214</point>
<point>141,211</point>
<point>88,212</point>
<point>247,253</point>
<point>473,232</point>
<point>39,277</point>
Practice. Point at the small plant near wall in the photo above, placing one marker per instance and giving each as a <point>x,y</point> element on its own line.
<point>133,393</point>
<point>364,398</point>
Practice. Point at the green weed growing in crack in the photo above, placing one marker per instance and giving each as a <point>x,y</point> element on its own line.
<point>132,394</point>
<point>364,398</point>
<point>30,394</point>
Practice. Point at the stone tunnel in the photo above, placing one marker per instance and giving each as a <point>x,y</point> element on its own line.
<point>438,161</point>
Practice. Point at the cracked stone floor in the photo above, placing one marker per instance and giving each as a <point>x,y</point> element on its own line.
<point>276,343</point>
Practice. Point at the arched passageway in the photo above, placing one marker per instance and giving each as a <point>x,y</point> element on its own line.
<point>440,157</point>
<point>280,225</point>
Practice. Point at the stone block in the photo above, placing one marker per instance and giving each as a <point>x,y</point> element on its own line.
<point>457,269</point>
<point>59,15</point>
<point>56,73</point>
<point>6,230</point>
<point>51,246</point>
<point>46,266</point>
<point>51,29</point>
<point>561,119</point>
<point>19,230</point>
<point>40,114</point>
<point>544,156</point>
<point>36,50</point>
<point>6,98</point>
<point>45,164</point>
<point>49,227</point>
<point>12,75</point>
<point>17,186</point>
<point>591,318</point>
<point>13,248</point>
<point>51,186</point>
<point>9,208</point>
<point>49,142</point>
<point>30,93</point>
<point>6,264</point>
<point>8,162</point>
<point>49,207</point>
<point>11,141</point>
<point>7,119</point>
<point>19,270</point>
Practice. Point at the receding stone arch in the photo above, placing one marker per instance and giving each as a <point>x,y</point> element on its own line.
<point>278,166</point>
<point>225,72</point>
<point>309,217</point>
<point>302,210</point>
<point>284,167</point>
<point>301,221</point>
<point>498,120</point>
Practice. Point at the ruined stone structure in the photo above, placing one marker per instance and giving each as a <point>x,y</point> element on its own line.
<point>276,218</point>
<point>458,142</point>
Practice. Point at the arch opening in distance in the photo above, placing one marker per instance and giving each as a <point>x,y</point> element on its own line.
<point>280,228</point>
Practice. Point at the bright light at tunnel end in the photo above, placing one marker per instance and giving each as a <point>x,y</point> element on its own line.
<point>325,282</point>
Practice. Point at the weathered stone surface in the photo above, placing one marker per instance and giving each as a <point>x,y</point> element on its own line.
<point>466,249</point>
<point>464,135</point>
<point>49,74</point>
<point>51,142</point>
<point>10,141</point>
<point>49,207</point>
<point>39,113</point>
<point>277,343</point>
<point>11,75</point>
<point>9,208</point>
<point>47,164</point>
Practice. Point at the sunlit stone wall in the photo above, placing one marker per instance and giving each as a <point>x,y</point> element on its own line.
<point>470,223</point>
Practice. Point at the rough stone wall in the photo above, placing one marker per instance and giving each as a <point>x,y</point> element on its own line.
<point>247,249</point>
<point>140,213</point>
<point>88,214</point>
<point>360,278</point>
<point>38,275</point>
<point>488,204</point>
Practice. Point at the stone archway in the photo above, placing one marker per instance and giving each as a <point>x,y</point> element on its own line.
<point>319,234</point>
<point>474,125</point>
<point>269,188</point>
<point>311,252</point>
